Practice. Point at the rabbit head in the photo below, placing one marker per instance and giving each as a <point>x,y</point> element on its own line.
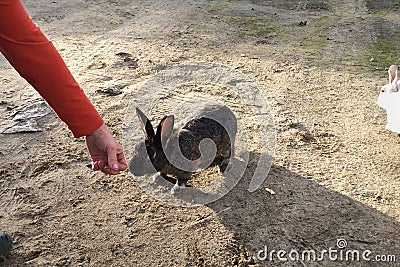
<point>392,86</point>
<point>152,147</point>
<point>388,95</point>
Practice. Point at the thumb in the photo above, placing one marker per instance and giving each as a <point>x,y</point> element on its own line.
<point>112,157</point>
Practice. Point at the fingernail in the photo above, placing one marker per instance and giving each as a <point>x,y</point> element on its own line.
<point>115,166</point>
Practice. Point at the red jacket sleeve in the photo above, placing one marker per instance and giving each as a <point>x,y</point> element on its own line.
<point>36,60</point>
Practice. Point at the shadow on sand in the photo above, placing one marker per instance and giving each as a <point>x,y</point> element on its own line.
<point>304,215</point>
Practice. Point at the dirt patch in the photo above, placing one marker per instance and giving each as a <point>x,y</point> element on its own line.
<point>335,174</point>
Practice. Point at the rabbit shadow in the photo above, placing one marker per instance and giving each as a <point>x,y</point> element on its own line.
<point>164,188</point>
<point>290,212</point>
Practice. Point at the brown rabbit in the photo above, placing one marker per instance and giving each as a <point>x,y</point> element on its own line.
<point>214,122</point>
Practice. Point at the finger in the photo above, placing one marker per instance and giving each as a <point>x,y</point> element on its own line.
<point>95,165</point>
<point>101,166</point>
<point>112,158</point>
<point>122,167</point>
<point>104,168</point>
<point>108,170</point>
<point>122,161</point>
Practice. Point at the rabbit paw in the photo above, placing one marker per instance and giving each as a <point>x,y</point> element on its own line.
<point>156,177</point>
<point>176,189</point>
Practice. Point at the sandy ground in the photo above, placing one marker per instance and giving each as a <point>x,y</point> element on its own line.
<point>335,173</point>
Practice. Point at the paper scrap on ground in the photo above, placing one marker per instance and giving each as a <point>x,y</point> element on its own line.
<point>24,118</point>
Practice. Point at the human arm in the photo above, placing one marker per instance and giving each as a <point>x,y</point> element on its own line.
<point>37,61</point>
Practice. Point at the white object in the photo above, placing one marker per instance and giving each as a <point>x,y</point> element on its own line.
<point>389,99</point>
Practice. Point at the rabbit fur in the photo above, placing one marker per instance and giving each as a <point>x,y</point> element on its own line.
<point>389,99</point>
<point>184,137</point>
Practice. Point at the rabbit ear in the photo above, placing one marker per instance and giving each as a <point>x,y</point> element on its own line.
<point>393,77</point>
<point>164,129</point>
<point>146,125</point>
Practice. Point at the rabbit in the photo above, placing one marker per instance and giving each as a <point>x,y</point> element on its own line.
<point>389,99</point>
<point>170,140</point>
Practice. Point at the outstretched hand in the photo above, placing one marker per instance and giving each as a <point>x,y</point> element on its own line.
<point>106,153</point>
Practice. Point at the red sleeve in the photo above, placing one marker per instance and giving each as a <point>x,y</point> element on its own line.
<point>36,60</point>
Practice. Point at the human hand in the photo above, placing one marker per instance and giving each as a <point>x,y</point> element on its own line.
<point>106,153</point>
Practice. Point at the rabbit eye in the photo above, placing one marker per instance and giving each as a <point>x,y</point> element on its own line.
<point>151,152</point>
